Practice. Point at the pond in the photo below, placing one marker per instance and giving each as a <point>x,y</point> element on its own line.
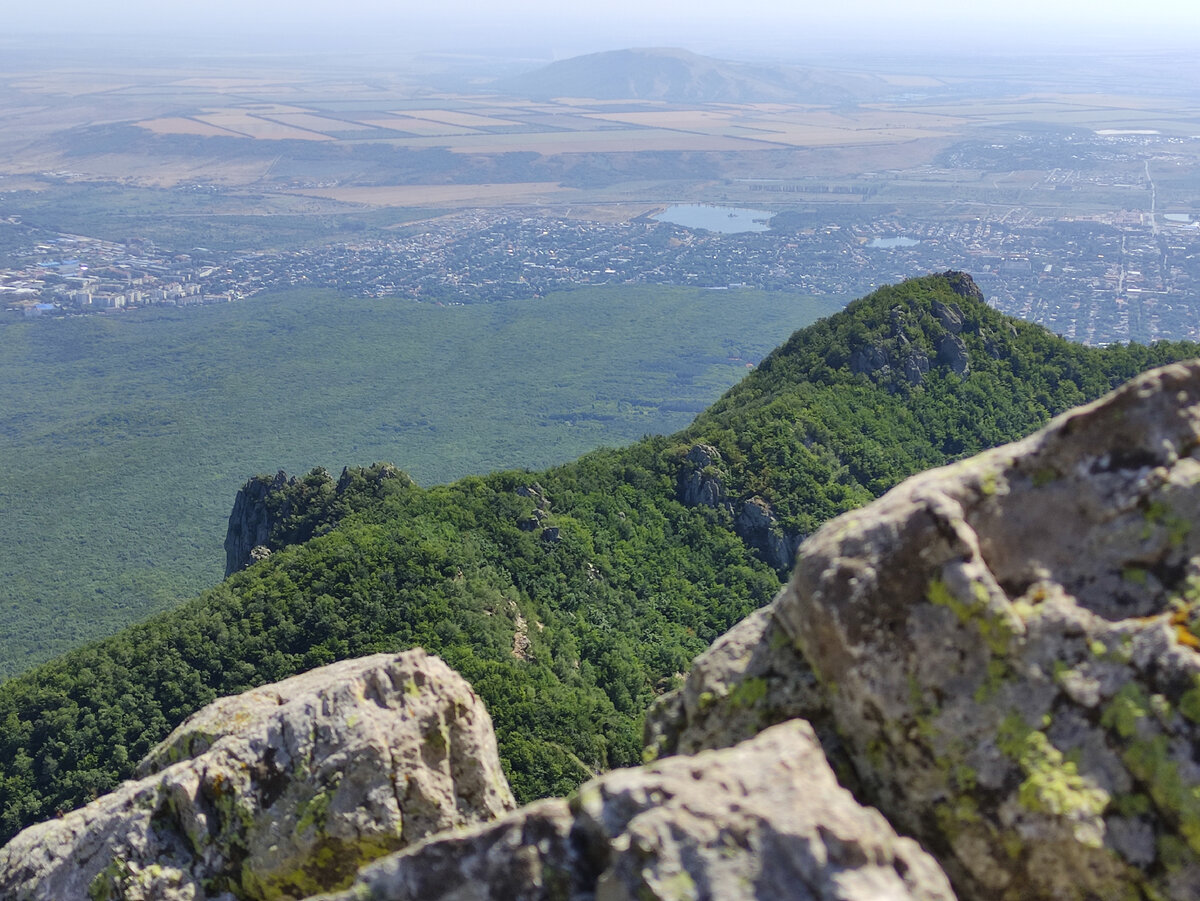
<point>897,241</point>
<point>725,219</point>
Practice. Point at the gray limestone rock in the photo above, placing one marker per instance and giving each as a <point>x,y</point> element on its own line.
<point>701,481</point>
<point>756,525</point>
<point>869,360</point>
<point>914,367</point>
<point>250,521</point>
<point>751,678</point>
<point>765,819</point>
<point>949,315</point>
<point>280,792</point>
<point>1009,647</point>
<point>952,352</point>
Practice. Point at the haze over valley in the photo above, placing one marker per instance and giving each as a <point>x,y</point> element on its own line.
<point>282,251</point>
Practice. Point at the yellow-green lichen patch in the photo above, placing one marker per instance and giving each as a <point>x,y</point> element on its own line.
<point>748,693</point>
<point>311,813</point>
<point>1127,708</point>
<point>106,886</point>
<point>1159,514</point>
<point>1147,755</point>
<point>1135,575</point>
<point>676,887</point>
<point>1053,784</point>
<point>1189,701</point>
<point>988,484</point>
<point>996,631</point>
<point>330,866</point>
<point>1149,761</point>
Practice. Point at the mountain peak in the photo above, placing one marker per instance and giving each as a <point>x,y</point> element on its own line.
<point>676,75</point>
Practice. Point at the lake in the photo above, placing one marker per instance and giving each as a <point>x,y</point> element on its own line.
<point>898,241</point>
<point>726,219</point>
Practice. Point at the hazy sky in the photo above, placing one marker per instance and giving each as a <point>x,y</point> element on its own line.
<point>558,27</point>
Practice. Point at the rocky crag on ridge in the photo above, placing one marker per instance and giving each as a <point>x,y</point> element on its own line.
<point>1002,656</point>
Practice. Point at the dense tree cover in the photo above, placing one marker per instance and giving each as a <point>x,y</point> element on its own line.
<point>124,438</point>
<point>568,597</point>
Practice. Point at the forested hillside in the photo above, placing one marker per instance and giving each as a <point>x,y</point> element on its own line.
<point>567,597</point>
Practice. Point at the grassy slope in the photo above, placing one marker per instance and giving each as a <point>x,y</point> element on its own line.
<point>125,438</point>
<point>634,587</point>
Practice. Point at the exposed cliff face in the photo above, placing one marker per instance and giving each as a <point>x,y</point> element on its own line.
<point>279,793</point>
<point>1009,650</point>
<point>272,512</point>
<point>251,521</point>
<point>702,482</point>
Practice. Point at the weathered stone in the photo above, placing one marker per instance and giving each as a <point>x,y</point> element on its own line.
<point>1009,648</point>
<point>280,792</point>
<point>250,521</point>
<point>949,315</point>
<point>765,819</point>
<point>756,525</point>
<point>952,352</point>
<point>537,493</point>
<point>700,480</point>
<point>963,285</point>
<point>869,360</point>
<point>751,678</point>
<point>916,364</point>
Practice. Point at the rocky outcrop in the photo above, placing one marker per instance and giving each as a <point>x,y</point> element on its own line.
<point>950,316</point>
<point>1009,649</point>
<point>280,792</point>
<point>1003,656</point>
<point>963,285</point>
<point>869,360</point>
<point>765,819</point>
<point>952,353</point>
<point>701,481</point>
<point>251,521</point>
<point>271,513</point>
<point>752,677</point>
<point>757,525</point>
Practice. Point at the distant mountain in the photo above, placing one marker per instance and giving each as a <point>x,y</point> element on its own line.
<point>672,74</point>
<point>571,597</point>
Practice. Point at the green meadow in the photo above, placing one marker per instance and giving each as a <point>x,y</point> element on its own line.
<point>125,438</point>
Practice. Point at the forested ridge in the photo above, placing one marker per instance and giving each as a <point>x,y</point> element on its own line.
<point>568,597</point>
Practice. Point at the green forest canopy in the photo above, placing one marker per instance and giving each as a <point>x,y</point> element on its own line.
<point>619,584</point>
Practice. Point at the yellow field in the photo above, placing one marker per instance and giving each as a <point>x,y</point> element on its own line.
<point>602,141</point>
<point>465,119</point>
<point>443,195</point>
<point>318,123</point>
<point>253,127</point>
<point>178,125</point>
<point>417,126</point>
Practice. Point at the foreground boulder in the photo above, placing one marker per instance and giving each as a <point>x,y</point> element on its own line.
<point>280,792</point>
<point>1009,649</point>
<point>765,819</point>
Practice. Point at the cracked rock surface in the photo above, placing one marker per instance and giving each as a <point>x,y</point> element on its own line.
<point>281,792</point>
<point>763,819</point>
<point>1009,649</point>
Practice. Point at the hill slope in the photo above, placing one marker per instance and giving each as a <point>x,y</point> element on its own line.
<point>570,597</point>
<point>675,75</point>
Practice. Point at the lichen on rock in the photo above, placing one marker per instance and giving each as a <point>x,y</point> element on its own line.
<point>763,819</point>
<point>1006,647</point>
<point>279,793</point>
